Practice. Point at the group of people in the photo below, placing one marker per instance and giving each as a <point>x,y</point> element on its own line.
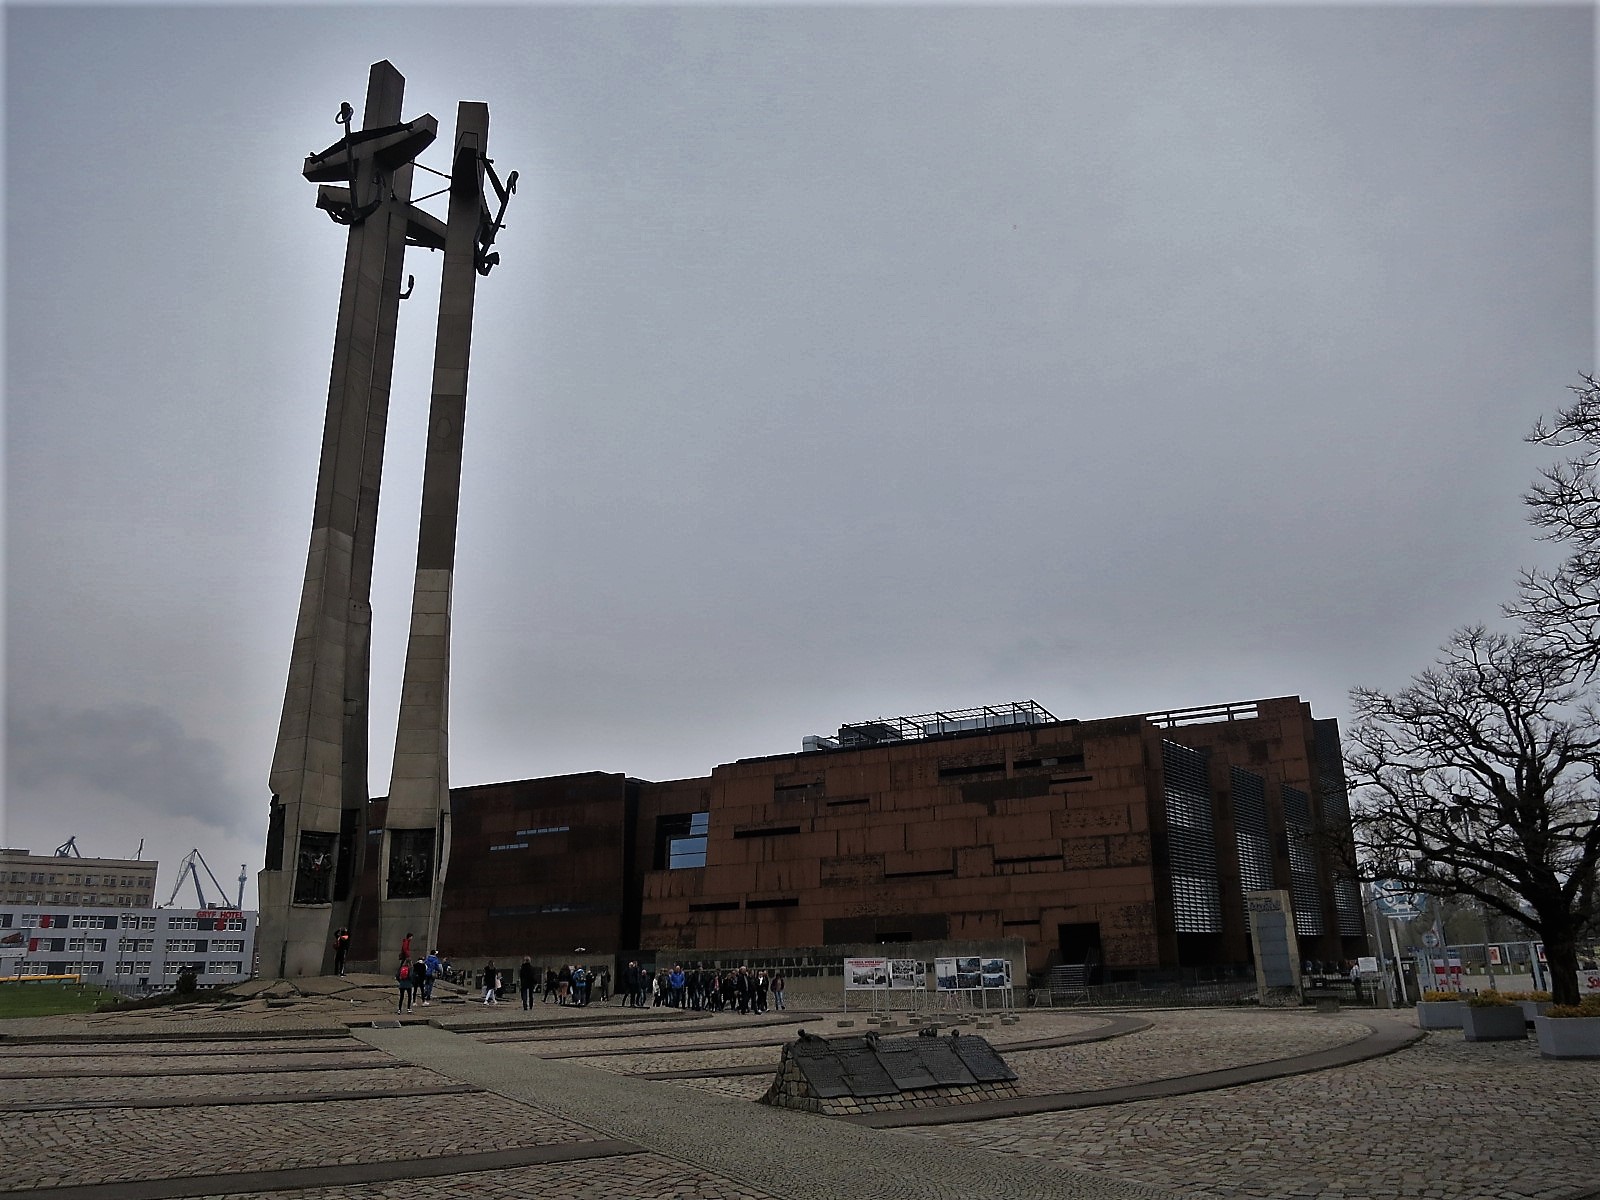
<point>416,977</point>
<point>737,989</point>
<point>573,984</point>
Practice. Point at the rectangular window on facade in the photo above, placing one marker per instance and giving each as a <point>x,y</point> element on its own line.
<point>681,840</point>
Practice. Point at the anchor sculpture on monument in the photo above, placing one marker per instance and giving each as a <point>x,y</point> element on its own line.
<point>318,813</point>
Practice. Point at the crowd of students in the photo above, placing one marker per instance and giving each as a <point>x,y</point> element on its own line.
<point>734,989</point>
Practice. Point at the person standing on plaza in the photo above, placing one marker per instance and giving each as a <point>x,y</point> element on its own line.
<point>419,979</point>
<point>432,969</point>
<point>491,979</point>
<point>527,982</point>
<point>563,983</point>
<point>405,946</point>
<point>402,976</point>
<point>777,990</point>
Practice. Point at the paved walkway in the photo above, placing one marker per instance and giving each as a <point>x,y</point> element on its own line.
<point>276,1098</point>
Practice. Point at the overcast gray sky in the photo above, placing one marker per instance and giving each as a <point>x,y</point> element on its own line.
<point>843,362</point>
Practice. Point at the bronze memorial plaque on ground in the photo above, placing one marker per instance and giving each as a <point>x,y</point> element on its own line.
<point>821,1066</point>
<point>981,1059</point>
<point>903,1060</point>
<point>863,1070</point>
<point>940,1059</point>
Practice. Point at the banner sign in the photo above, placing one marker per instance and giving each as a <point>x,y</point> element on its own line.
<point>971,974</point>
<point>879,974</point>
<point>1393,900</point>
<point>866,974</point>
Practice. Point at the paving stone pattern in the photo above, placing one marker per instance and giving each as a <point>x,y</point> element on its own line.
<point>1442,1120</point>
<point>174,1088</point>
<point>637,1175</point>
<point>106,1145</point>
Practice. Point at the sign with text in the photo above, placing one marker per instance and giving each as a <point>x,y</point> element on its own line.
<point>1392,899</point>
<point>1272,932</point>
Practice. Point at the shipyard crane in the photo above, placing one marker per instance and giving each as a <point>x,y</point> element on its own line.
<point>188,869</point>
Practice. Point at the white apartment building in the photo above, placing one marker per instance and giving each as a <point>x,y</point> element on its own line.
<point>141,949</point>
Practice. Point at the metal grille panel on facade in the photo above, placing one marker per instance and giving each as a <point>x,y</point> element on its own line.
<point>1191,841</point>
<point>1336,815</point>
<point>1303,889</point>
<point>1250,826</point>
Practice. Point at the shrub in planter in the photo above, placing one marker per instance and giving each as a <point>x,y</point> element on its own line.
<point>1490,1017</point>
<point>1440,1010</point>
<point>1533,1003</point>
<point>1570,1030</point>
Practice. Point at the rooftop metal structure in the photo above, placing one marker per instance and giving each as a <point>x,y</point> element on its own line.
<point>934,724</point>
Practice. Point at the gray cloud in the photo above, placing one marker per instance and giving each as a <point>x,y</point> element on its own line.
<point>135,752</point>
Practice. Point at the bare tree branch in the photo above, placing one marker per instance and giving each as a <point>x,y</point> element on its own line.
<point>1479,778</point>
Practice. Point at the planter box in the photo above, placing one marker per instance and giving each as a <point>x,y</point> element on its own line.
<point>1532,1009</point>
<point>1568,1037</point>
<point>1439,1014</point>
<point>1501,1023</point>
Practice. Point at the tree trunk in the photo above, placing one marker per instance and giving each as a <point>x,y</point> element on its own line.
<point>1561,956</point>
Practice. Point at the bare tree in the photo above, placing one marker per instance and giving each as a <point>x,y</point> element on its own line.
<point>1561,608</point>
<point>1479,778</point>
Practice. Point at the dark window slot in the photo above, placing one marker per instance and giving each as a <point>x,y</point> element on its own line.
<point>716,906</point>
<point>773,831</point>
<point>979,769</point>
<point>783,902</point>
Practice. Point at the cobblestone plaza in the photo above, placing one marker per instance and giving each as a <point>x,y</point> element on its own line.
<point>320,1092</point>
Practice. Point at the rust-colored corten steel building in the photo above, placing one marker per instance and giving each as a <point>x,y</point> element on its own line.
<point>1126,842</point>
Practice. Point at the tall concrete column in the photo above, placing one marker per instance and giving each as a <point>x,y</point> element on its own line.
<point>317,828</point>
<point>416,839</point>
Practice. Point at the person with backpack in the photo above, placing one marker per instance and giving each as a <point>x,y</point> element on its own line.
<point>580,985</point>
<point>432,969</point>
<point>403,978</point>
